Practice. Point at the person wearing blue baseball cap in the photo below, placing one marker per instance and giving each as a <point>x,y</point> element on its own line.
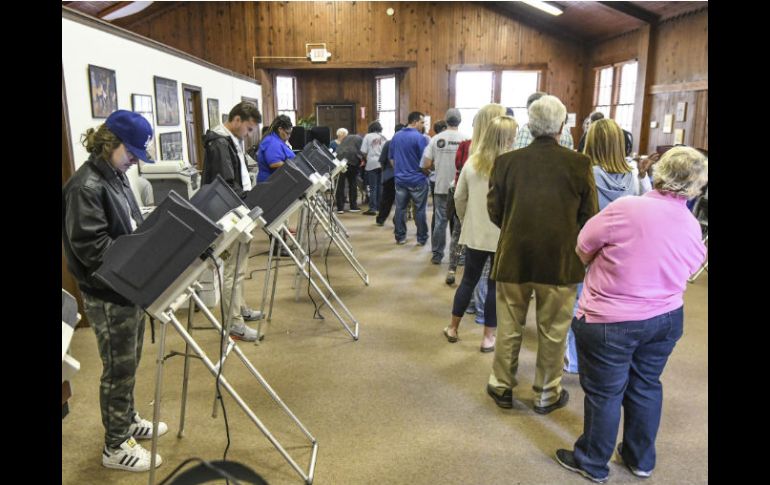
<point>98,206</point>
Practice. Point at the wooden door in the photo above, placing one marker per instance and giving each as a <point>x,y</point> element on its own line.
<point>67,169</point>
<point>193,118</point>
<point>335,116</point>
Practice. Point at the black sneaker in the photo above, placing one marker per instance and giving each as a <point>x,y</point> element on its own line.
<point>637,472</point>
<point>566,459</point>
<point>450,277</point>
<point>380,223</point>
<point>369,213</point>
<point>505,401</point>
<point>563,400</point>
<point>355,209</point>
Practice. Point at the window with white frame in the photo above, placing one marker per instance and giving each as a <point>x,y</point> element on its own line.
<point>616,91</point>
<point>386,104</point>
<point>286,96</point>
<point>515,88</point>
<point>474,89</point>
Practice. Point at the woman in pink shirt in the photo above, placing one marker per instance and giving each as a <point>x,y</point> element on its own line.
<point>641,251</point>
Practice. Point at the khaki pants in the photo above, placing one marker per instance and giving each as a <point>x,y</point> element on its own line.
<point>553,315</point>
<point>229,276</point>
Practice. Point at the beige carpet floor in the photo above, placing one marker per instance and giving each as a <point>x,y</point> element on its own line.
<point>399,406</point>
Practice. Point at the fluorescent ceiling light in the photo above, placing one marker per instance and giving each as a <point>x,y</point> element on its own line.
<point>553,10</point>
<point>130,9</point>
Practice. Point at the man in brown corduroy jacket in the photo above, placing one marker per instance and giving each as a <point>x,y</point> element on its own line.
<point>540,196</point>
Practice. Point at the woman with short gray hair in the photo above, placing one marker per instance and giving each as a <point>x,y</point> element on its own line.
<point>630,315</point>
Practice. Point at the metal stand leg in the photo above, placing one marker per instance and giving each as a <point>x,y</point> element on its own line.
<point>704,266</point>
<point>341,243</point>
<point>169,317</point>
<point>319,276</point>
<point>156,402</point>
<point>186,372</point>
<point>228,316</point>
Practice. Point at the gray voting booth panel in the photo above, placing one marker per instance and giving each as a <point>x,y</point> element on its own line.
<point>216,199</point>
<point>278,192</point>
<point>319,157</point>
<point>142,265</point>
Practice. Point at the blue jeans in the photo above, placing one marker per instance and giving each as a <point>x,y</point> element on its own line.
<point>481,291</point>
<point>438,238</point>
<point>374,178</point>
<point>419,194</point>
<point>620,365</point>
<point>571,364</point>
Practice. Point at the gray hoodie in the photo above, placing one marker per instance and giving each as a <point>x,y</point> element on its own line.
<point>612,186</point>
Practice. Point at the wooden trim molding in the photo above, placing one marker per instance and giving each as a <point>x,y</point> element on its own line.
<point>497,67</point>
<point>293,65</point>
<point>679,87</point>
<point>95,23</point>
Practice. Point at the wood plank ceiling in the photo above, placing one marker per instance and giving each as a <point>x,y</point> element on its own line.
<point>582,21</point>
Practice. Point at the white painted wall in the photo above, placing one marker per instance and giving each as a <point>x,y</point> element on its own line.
<point>135,65</point>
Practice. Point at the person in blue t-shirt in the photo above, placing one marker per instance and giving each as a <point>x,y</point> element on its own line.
<point>405,152</point>
<point>273,150</point>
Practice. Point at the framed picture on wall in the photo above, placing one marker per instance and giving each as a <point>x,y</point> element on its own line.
<point>142,104</point>
<point>681,110</point>
<point>213,106</point>
<point>171,146</point>
<point>104,91</point>
<point>224,118</point>
<point>167,101</point>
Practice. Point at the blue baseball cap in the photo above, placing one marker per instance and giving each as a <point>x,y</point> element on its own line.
<point>133,130</point>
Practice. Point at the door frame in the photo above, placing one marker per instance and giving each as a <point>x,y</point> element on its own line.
<point>350,104</point>
<point>197,143</point>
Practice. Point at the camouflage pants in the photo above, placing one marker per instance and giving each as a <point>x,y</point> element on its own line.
<point>119,335</point>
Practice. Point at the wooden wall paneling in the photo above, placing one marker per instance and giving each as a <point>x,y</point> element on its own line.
<point>681,54</point>
<point>701,129</point>
<point>238,47</point>
<point>639,128</point>
<point>196,31</point>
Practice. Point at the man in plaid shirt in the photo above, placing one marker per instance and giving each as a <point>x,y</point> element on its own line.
<point>524,136</point>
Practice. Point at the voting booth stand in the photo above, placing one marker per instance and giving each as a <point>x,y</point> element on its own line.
<point>289,189</point>
<point>157,268</point>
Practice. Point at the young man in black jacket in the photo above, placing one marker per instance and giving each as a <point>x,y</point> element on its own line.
<point>98,207</point>
<point>225,156</point>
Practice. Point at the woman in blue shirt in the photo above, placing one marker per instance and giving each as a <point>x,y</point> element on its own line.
<point>273,150</point>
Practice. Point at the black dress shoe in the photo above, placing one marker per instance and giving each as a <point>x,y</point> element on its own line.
<point>505,401</point>
<point>563,400</point>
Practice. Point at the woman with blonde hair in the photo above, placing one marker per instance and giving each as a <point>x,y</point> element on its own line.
<point>479,234</point>
<point>615,177</point>
<point>641,251</point>
<point>480,123</point>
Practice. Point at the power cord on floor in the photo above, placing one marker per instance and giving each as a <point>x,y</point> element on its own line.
<point>221,346</point>
<point>316,309</point>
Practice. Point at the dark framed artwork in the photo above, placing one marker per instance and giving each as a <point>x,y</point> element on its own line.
<point>224,118</point>
<point>213,106</point>
<point>171,146</point>
<point>104,91</point>
<point>166,101</point>
<point>251,139</point>
<point>142,104</point>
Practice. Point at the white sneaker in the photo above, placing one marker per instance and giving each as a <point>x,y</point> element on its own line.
<point>250,315</point>
<point>141,429</point>
<point>240,331</point>
<point>130,456</point>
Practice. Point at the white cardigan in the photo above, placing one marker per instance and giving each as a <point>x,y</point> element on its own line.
<point>478,232</point>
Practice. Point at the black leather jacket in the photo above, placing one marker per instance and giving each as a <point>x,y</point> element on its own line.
<point>221,158</point>
<point>94,214</point>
